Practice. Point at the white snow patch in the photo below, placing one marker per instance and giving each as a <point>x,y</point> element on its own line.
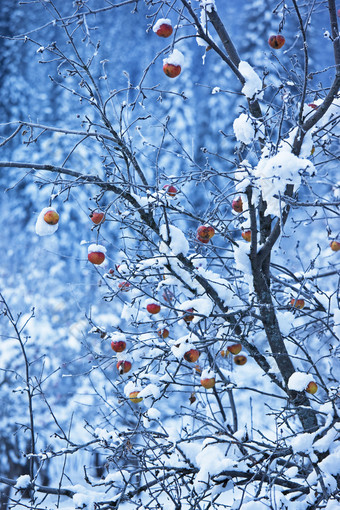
<point>244,129</point>
<point>202,306</point>
<point>41,227</point>
<point>253,84</point>
<point>22,482</point>
<point>176,58</point>
<point>153,413</point>
<point>275,173</point>
<point>96,248</point>
<point>299,381</point>
<point>302,443</point>
<point>178,241</point>
<point>161,21</point>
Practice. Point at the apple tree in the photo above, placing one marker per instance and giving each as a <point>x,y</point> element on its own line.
<point>207,369</point>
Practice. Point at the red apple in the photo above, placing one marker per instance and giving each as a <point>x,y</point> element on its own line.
<point>297,303</point>
<point>51,217</point>
<point>163,27</point>
<point>246,234</point>
<point>172,70</point>
<point>234,348</point>
<point>312,387</point>
<point>240,359</point>
<point>164,30</point>
<point>118,345</point>
<point>237,205</point>
<point>164,333</point>
<point>171,190</point>
<point>124,366</point>
<point>153,308</point>
<point>208,383</point>
<point>97,217</point>
<point>188,315</point>
<point>335,245</point>
<point>205,232</point>
<point>276,41</point>
<point>192,355</point>
<point>202,240</point>
<point>133,396</point>
<point>124,286</point>
<point>96,257</point>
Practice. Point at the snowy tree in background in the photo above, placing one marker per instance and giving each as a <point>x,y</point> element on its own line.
<point>170,314</point>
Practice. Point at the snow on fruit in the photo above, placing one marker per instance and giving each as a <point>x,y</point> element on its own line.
<point>207,379</point>
<point>96,254</point>
<point>276,41</point>
<point>47,222</point>
<point>172,65</point>
<point>163,27</point>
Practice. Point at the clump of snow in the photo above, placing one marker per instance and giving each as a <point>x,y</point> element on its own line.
<point>216,90</point>
<point>247,129</point>
<point>285,320</point>
<point>207,373</point>
<point>41,227</point>
<point>161,21</point>
<point>202,306</point>
<point>22,482</point>
<point>244,129</point>
<point>212,460</point>
<point>151,390</point>
<point>291,472</point>
<point>302,443</point>
<point>83,501</point>
<point>176,58</point>
<point>253,84</point>
<point>131,386</point>
<point>153,414</point>
<point>178,242</point>
<point>275,173</point>
<point>299,381</point>
<point>119,477</point>
<point>96,248</point>
<point>105,435</point>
